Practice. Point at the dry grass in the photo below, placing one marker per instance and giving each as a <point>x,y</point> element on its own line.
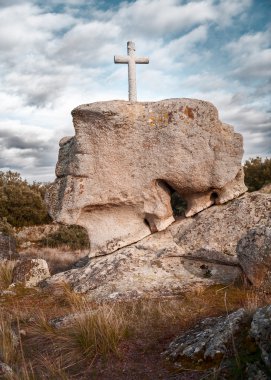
<point>58,259</point>
<point>6,269</point>
<point>75,301</point>
<point>92,333</point>
<point>96,333</point>
<point>8,341</point>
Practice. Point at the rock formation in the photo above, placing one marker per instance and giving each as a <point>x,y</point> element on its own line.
<point>115,176</point>
<point>219,342</point>
<point>191,252</point>
<point>207,340</point>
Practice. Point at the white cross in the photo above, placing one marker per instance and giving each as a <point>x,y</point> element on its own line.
<point>131,60</point>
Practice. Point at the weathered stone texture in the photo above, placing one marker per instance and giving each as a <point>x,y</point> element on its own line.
<point>29,272</point>
<point>207,340</point>
<point>115,176</point>
<point>192,252</point>
<point>254,255</point>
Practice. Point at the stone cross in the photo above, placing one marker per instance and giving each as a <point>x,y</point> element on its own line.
<point>131,60</point>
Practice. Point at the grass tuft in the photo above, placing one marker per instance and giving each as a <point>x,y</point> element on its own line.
<point>6,270</point>
<point>8,341</point>
<point>95,332</point>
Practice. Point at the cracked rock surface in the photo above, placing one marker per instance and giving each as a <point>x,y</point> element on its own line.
<point>196,251</point>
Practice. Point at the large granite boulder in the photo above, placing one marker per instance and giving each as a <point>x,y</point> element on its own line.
<point>196,251</point>
<point>115,176</point>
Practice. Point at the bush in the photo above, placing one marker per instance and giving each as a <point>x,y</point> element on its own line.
<point>75,237</point>
<point>22,204</point>
<point>257,173</point>
<point>5,227</point>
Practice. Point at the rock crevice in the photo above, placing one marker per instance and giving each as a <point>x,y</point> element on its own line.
<point>192,252</point>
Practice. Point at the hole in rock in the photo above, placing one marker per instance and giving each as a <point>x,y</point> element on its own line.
<point>146,222</point>
<point>178,204</point>
<point>214,196</point>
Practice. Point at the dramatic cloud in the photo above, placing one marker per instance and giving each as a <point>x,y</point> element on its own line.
<point>59,53</point>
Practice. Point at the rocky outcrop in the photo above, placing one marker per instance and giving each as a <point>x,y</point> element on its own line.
<point>195,251</point>
<point>238,341</point>
<point>254,255</point>
<point>115,176</point>
<point>7,247</point>
<point>207,340</point>
<point>30,272</point>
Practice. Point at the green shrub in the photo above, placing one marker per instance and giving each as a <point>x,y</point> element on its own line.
<point>257,173</point>
<point>21,204</point>
<point>5,227</point>
<point>73,236</point>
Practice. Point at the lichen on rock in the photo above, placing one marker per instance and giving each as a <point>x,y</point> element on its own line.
<point>198,251</point>
<point>254,255</point>
<point>30,272</point>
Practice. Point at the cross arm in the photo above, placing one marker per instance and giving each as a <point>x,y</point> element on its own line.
<point>121,59</point>
<point>142,60</point>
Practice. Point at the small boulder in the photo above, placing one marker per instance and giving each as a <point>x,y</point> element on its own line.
<point>30,272</point>
<point>254,254</point>
<point>207,340</point>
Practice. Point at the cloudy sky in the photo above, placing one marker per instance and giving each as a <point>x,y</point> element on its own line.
<point>57,54</point>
